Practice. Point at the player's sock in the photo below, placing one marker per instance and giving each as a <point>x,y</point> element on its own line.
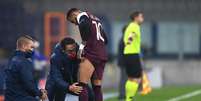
<point>131,88</point>
<point>97,93</point>
<point>83,96</point>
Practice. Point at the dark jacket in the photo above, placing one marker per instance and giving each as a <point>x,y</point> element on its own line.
<point>20,83</point>
<point>63,72</point>
<point>120,56</point>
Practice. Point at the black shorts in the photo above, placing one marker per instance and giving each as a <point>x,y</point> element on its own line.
<point>133,65</point>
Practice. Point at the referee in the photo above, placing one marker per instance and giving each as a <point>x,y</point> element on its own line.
<point>132,42</point>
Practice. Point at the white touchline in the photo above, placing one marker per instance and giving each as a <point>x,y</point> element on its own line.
<point>109,95</point>
<point>185,96</point>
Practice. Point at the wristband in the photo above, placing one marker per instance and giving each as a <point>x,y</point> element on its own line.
<point>81,47</point>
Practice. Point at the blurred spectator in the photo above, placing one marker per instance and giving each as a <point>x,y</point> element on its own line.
<point>120,61</point>
<point>40,65</point>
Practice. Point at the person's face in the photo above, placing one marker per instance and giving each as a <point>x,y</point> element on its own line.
<point>72,19</point>
<point>71,48</point>
<point>29,46</point>
<point>140,18</point>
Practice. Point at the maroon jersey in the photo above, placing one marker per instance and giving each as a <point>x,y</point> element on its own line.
<point>92,33</point>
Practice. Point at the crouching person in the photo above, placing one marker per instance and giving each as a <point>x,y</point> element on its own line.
<point>62,80</point>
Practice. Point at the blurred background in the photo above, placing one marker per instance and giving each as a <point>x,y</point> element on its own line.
<point>171,34</point>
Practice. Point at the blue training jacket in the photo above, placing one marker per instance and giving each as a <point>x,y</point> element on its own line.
<point>20,82</point>
<point>63,72</point>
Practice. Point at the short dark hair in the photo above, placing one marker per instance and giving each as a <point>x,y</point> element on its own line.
<point>135,14</point>
<point>66,41</point>
<point>70,12</point>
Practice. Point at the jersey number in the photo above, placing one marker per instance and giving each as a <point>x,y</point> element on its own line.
<point>98,28</point>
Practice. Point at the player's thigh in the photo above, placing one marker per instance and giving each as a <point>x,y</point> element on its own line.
<point>98,72</point>
<point>86,70</point>
<point>133,66</point>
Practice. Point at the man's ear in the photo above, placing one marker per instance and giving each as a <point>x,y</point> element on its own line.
<point>24,46</point>
<point>74,17</point>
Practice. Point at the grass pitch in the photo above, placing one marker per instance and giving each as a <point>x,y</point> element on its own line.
<point>166,93</point>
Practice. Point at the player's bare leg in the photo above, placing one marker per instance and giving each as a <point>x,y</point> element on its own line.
<point>86,70</point>
<point>96,84</point>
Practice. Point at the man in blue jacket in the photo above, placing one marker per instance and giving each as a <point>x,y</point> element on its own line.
<point>20,83</point>
<point>63,71</point>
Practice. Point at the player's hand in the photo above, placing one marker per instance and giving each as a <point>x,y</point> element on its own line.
<point>43,91</point>
<point>44,95</point>
<point>75,89</point>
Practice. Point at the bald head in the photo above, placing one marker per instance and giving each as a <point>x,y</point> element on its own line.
<point>25,43</point>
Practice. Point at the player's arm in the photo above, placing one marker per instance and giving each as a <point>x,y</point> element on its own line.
<point>129,35</point>
<point>85,31</point>
<point>84,27</point>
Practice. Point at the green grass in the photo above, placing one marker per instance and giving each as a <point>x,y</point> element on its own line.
<point>166,93</point>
